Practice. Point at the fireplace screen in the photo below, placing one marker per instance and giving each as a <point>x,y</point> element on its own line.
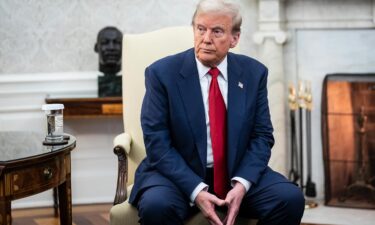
<point>348,126</point>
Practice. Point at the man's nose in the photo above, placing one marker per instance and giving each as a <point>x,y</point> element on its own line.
<point>207,37</point>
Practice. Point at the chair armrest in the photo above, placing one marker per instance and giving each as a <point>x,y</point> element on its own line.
<point>121,149</point>
<point>123,140</point>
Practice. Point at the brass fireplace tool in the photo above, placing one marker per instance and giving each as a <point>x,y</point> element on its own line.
<point>293,106</point>
<point>302,102</point>
<point>310,188</point>
<point>301,108</point>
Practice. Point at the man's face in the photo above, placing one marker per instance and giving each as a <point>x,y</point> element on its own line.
<point>213,37</point>
<point>109,47</point>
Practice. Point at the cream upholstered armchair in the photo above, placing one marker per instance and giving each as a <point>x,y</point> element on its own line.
<point>139,51</point>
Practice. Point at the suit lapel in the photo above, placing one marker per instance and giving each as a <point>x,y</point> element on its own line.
<point>236,108</point>
<point>190,91</point>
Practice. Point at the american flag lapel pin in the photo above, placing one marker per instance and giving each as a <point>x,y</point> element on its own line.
<point>240,84</point>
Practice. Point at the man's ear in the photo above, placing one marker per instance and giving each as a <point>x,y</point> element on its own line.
<point>235,39</point>
<point>96,48</point>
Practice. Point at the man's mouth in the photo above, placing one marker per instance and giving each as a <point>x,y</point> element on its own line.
<point>207,50</point>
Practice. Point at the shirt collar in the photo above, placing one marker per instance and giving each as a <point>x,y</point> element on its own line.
<point>203,70</point>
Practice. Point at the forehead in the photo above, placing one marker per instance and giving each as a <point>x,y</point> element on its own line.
<point>109,34</point>
<point>213,20</point>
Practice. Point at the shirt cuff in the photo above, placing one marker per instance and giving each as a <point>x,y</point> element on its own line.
<point>244,182</point>
<point>201,186</point>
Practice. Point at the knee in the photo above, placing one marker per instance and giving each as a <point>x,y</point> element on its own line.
<point>154,209</point>
<point>158,206</point>
<point>292,200</point>
<point>285,205</point>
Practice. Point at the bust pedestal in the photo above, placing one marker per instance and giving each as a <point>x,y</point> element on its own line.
<point>109,85</point>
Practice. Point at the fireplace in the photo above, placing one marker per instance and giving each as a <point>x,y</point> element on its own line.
<point>348,129</point>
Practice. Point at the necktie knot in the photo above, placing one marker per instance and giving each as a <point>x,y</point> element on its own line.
<point>214,72</point>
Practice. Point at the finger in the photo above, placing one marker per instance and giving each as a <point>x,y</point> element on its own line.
<point>228,203</point>
<point>230,219</point>
<point>225,219</point>
<point>215,223</point>
<point>214,218</point>
<point>218,201</point>
<point>228,199</point>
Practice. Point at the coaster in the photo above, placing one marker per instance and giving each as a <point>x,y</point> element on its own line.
<point>63,142</point>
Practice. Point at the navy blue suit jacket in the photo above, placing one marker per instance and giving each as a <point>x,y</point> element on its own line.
<point>174,127</point>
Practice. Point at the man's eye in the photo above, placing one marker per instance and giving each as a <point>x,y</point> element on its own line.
<point>201,30</point>
<point>218,33</point>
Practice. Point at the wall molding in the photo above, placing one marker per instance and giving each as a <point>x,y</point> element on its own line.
<point>51,92</point>
<point>48,77</point>
<point>330,24</point>
<point>26,108</point>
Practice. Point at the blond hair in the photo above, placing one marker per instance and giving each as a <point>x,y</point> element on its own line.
<point>222,7</point>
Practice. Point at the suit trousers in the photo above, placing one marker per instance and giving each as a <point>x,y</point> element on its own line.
<point>277,204</point>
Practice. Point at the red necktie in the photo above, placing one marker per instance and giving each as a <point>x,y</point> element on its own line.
<point>218,128</point>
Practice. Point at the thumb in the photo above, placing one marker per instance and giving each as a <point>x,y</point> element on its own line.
<point>228,199</point>
<point>218,201</point>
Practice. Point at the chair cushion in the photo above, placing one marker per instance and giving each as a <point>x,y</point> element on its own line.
<point>126,214</point>
<point>123,214</point>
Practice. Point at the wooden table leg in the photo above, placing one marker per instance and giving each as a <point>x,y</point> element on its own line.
<point>55,202</point>
<point>65,202</point>
<point>5,212</point>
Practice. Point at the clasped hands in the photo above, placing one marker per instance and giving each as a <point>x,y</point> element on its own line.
<point>206,202</point>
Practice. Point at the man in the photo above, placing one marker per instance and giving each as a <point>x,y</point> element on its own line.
<point>109,48</point>
<point>208,134</point>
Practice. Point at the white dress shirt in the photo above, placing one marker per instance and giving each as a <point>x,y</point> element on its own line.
<point>205,80</point>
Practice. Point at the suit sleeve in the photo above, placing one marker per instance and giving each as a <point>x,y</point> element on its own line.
<point>159,149</point>
<point>261,140</point>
